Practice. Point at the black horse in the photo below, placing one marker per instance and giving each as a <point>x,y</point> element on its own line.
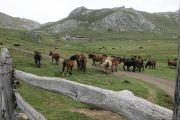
<point>37,57</point>
<point>129,63</point>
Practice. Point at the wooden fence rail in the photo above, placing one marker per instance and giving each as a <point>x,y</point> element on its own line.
<point>122,102</point>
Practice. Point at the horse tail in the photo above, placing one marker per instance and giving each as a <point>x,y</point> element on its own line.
<point>82,62</point>
<point>64,65</point>
<point>37,57</point>
<point>168,62</point>
<point>107,65</point>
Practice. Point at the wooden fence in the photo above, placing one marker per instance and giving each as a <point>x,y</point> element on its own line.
<point>122,102</point>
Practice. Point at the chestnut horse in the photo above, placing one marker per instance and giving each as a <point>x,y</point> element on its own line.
<point>151,63</point>
<point>173,63</point>
<point>37,57</point>
<point>115,63</point>
<point>54,56</point>
<point>69,63</point>
<point>94,58</point>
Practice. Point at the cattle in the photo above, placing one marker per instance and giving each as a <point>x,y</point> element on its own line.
<point>140,47</point>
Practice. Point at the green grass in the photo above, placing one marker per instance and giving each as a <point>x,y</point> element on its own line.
<point>57,106</point>
<point>60,106</point>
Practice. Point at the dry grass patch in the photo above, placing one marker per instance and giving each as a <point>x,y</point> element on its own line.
<point>99,114</point>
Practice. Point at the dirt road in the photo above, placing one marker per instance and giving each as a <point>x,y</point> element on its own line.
<point>167,85</point>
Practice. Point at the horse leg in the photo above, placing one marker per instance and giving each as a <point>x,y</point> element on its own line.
<point>115,68</point>
<point>123,67</point>
<point>67,71</point>
<point>39,64</point>
<point>112,68</point>
<point>52,61</point>
<point>63,69</point>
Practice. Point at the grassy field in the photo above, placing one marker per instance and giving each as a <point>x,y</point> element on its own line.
<point>55,106</point>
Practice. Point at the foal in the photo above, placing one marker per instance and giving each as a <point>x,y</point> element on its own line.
<point>54,56</point>
<point>152,63</point>
<point>94,58</point>
<point>115,63</point>
<point>37,57</point>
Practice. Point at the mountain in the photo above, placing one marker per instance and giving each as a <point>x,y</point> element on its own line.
<point>115,19</point>
<point>17,23</point>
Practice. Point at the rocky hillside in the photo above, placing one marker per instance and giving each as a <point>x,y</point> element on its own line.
<point>17,23</point>
<point>115,19</point>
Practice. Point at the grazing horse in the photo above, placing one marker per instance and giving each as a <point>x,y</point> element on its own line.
<point>69,63</point>
<point>129,63</point>
<point>107,65</point>
<point>94,58</point>
<point>175,59</point>
<point>115,63</point>
<point>54,56</point>
<point>151,63</point>
<point>37,57</point>
<point>173,63</point>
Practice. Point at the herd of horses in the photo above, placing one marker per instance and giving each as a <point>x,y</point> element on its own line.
<point>109,64</point>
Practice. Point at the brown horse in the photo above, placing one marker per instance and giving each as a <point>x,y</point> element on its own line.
<point>94,58</point>
<point>37,57</point>
<point>173,63</point>
<point>69,63</point>
<point>115,63</point>
<point>151,63</point>
<point>54,56</point>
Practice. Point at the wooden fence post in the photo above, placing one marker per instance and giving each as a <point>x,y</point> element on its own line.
<point>1,111</point>
<point>8,95</point>
<point>176,111</point>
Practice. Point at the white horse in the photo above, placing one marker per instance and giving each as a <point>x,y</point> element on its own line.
<point>107,65</point>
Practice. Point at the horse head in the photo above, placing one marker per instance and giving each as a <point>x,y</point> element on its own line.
<point>51,53</point>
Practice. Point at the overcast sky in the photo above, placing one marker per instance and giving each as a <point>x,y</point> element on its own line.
<point>44,11</point>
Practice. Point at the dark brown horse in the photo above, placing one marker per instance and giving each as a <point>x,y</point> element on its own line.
<point>115,63</point>
<point>83,63</point>
<point>140,64</point>
<point>69,63</point>
<point>54,56</point>
<point>37,57</point>
<point>94,58</point>
<point>151,63</point>
<point>78,58</point>
<point>173,63</point>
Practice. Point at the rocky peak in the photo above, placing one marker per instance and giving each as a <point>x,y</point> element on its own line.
<point>78,10</point>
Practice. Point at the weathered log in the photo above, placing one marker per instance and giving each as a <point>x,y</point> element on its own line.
<point>122,102</point>
<point>31,113</point>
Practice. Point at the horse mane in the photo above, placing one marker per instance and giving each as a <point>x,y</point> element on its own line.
<point>91,55</point>
<point>148,63</point>
<point>72,57</point>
